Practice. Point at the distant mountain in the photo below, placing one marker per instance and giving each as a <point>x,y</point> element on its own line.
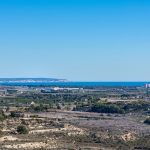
<point>31,80</point>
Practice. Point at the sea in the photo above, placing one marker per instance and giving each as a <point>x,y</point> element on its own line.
<point>75,84</point>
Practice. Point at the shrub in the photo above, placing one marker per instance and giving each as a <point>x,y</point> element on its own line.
<point>106,108</point>
<point>34,116</point>
<point>2,116</point>
<point>16,114</point>
<point>21,129</point>
<point>137,106</point>
<point>147,121</point>
<point>39,108</point>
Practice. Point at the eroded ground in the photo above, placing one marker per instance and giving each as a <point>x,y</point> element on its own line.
<point>76,130</point>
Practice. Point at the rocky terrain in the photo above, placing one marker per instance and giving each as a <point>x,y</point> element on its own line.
<point>79,130</point>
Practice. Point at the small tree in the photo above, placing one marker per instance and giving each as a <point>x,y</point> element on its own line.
<point>2,116</point>
<point>147,121</point>
<point>58,107</point>
<point>21,129</point>
<point>16,114</point>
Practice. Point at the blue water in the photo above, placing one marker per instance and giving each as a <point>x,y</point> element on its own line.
<point>74,84</point>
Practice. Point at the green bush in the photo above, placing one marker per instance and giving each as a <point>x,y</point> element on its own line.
<point>39,108</point>
<point>137,106</point>
<point>16,114</point>
<point>147,121</point>
<point>106,108</point>
<point>2,116</point>
<point>21,129</point>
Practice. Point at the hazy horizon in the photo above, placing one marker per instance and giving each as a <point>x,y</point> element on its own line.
<point>67,80</point>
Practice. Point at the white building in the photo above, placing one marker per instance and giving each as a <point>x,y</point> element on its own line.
<point>147,85</point>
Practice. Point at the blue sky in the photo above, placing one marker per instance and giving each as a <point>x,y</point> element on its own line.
<point>80,40</point>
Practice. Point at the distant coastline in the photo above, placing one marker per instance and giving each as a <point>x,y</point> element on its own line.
<point>30,80</point>
<point>63,83</point>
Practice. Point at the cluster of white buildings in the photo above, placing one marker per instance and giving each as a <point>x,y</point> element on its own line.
<point>147,85</point>
<point>58,89</point>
